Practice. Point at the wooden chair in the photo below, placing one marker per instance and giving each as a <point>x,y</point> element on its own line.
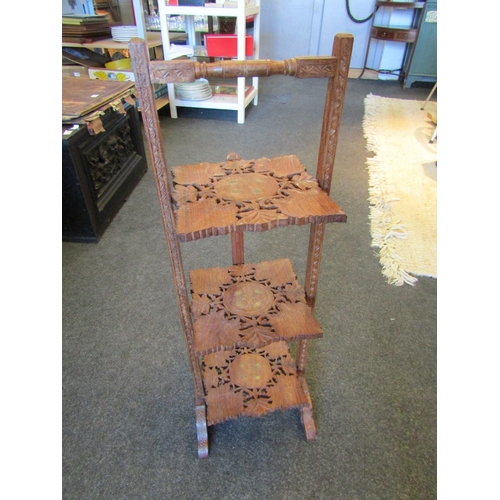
<point>240,318</point>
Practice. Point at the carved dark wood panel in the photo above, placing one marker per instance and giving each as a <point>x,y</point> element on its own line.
<point>110,156</point>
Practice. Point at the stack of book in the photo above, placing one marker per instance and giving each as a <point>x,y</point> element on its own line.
<point>85,28</point>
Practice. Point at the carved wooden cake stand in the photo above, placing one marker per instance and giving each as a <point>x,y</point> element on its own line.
<point>238,320</point>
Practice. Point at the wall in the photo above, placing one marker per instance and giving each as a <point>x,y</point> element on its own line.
<point>307,27</point>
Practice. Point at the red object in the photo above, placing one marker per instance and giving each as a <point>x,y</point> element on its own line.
<point>227,45</point>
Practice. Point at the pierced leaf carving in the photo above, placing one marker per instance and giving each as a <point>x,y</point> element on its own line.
<point>183,194</point>
<point>213,330</point>
<point>211,377</point>
<point>200,305</point>
<point>304,181</point>
<point>257,335</point>
<point>294,292</point>
<point>258,406</point>
<point>242,270</point>
<point>260,217</point>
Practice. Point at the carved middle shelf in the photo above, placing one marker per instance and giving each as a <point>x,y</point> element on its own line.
<point>249,305</point>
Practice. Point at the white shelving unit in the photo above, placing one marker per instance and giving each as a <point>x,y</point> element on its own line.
<point>244,8</point>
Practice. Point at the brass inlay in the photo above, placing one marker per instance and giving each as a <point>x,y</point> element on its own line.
<point>250,370</point>
<point>248,299</point>
<point>246,187</point>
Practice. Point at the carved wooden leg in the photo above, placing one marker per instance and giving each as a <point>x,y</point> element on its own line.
<point>306,415</point>
<point>311,284</point>
<point>201,431</point>
<point>303,348</point>
<point>308,423</point>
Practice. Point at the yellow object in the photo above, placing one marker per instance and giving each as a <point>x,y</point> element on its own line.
<point>119,64</point>
<point>100,75</point>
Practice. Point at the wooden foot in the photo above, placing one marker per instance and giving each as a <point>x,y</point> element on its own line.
<point>306,414</point>
<point>308,423</point>
<point>201,431</point>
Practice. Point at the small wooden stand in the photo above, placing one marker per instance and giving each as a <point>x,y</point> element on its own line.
<point>238,320</point>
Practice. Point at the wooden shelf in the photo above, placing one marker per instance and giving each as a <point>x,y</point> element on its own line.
<point>153,39</point>
<point>251,383</point>
<point>292,197</point>
<point>249,305</point>
<point>400,5</point>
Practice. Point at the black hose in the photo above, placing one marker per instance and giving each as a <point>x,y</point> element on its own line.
<point>352,18</point>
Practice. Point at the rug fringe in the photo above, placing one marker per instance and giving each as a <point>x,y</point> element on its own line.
<point>384,229</point>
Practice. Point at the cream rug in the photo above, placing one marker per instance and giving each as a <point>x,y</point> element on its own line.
<point>402,187</point>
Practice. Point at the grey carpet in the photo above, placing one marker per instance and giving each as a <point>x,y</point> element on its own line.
<point>128,418</point>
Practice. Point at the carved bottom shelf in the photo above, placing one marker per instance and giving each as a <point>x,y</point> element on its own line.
<point>251,382</point>
<point>249,305</point>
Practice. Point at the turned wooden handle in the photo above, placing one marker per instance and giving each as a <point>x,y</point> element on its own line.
<point>180,71</point>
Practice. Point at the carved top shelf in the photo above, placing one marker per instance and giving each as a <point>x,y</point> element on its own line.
<point>248,195</point>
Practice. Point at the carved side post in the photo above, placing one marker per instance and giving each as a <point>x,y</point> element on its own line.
<point>342,49</point>
<point>140,59</point>
<point>237,246</point>
<point>334,105</point>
